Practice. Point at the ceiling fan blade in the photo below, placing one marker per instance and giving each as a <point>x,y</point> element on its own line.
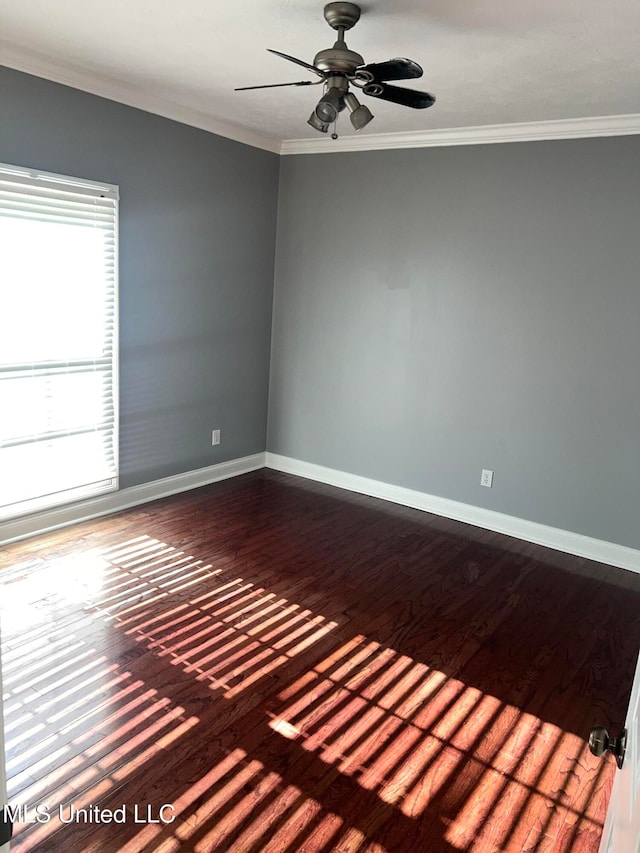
<point>299,62</point>
<point>394,69</point>
<point>276,85</point>
<point>398,95</point>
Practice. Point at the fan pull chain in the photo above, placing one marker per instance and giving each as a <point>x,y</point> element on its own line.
<point>334,135</point>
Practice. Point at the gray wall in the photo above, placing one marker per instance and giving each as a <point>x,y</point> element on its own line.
<point>440,311</point>
<point>197,238</point>
<point>436,311</point>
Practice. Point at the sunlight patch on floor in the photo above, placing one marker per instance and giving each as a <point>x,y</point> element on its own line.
<point>388,728</point>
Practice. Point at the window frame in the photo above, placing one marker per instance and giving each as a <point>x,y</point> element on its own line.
<point>27,177</point>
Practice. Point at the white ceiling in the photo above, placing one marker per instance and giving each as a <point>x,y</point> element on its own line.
<point>489,62</point>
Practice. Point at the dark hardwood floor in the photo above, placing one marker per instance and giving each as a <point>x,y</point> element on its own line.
<point>295,668</point>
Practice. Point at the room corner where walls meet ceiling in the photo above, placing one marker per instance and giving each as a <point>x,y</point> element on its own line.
<point>499,72</point>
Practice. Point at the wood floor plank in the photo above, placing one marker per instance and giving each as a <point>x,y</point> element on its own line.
<point>292,667</point>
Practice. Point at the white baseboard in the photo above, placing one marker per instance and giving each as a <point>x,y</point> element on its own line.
<point>43,522</point>
<point>529,531</point>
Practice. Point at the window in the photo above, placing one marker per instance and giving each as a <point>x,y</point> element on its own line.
<point>58,339</point>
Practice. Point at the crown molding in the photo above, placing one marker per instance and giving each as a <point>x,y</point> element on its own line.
<point>30,62</point>
<point>574,128</point>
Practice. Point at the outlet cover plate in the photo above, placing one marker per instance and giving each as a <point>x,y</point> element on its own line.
<point>486,478</point>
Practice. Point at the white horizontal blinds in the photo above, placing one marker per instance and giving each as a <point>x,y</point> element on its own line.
<point>58,312</point>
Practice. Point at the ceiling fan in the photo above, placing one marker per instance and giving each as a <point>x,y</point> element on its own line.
<point>338,68</point>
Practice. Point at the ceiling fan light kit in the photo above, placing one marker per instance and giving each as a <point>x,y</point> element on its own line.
<point>338,68</point>
<point>328,106</point>
<point>360,115</point>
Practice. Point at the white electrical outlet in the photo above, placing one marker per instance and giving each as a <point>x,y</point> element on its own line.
<point>215,436</point>
<point>486,478</point>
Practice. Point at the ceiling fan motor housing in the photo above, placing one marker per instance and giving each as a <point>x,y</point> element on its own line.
<point>338,59</point>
